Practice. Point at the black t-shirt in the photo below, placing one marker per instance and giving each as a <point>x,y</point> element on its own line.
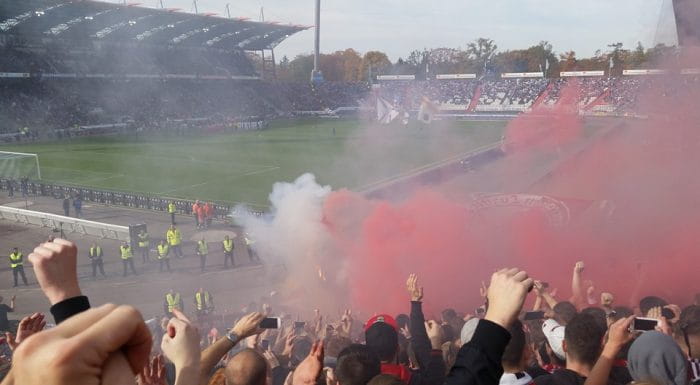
<point>4,323</point>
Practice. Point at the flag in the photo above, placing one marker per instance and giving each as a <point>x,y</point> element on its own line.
<point>386,113</point>
<point>546,65</point>
<point>427,111</point>
<point>612,62</point>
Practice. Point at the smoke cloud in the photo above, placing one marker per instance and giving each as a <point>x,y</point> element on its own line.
<point>627,203</point>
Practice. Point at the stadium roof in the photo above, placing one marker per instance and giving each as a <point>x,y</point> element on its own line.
<point>94,20</point>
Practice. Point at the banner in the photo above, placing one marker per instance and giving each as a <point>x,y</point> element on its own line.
<point>643,72</point>
<point>14,75</point>
<point>396,77</point>
<point>455,76</point>
<point>514,75</point>
<point>581,73</point>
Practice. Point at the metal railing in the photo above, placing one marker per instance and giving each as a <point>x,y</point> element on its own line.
<point>66,225</point>
<point>222,210</point>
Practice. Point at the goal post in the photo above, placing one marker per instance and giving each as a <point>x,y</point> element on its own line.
<point>16,165</point>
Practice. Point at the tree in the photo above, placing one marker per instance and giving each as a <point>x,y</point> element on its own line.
<point>374,62</point>
<point>617,57</point>
<point>639,56</point>
<point>352,65</point>
<point>568,61</point>
<point>482,51</point>
<point>297,70</point>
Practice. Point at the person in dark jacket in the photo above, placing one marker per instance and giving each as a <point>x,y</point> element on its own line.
<point>479,361</point>
<point>78,205</point>
<point>582,345</point>
<point>381,335</point>
<point>66,206</point>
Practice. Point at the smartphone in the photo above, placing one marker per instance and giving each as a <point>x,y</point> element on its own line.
<point>641,324</point>
<point>533,315</point>
<point>265,344</point>
<point>270,323</point>
<point>299,325</point>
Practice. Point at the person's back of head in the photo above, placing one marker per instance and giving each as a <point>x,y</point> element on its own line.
<point>649,302</point>
<point>655,357</point>
<point>620,312</point>
<point>514,356</point>
<point>384,340</point>
<point>583,339</point>
<point>687,331</point>
<point>598,314</point>
<point>247,367</point>
<point>564,312</point>
<point>334,344</point>
<point>385,379</point>
<point>357,365</point>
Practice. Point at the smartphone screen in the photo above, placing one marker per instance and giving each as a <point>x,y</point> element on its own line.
<point>533,315</point>
<point>265,344</point>
<point>270,323</point>
<point>299,325</point>
<point>644,324</point>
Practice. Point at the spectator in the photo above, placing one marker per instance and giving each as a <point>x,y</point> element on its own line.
<point>654,357</point>
<point>582,345</point>
<point>66,206</point>
<point>78,206</point>
<point>515,358</point>
<point>4,309</point>
<point>357,365</point>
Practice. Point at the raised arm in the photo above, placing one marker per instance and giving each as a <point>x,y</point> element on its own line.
<point>427,352</point>
<point>181,346</point>
<point>479,361</point>
<point>247,326</point>
<point>618,336</point>
<point>577,284</point>
<point>55,267</point>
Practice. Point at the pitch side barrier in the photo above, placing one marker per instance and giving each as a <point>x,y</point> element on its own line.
<point>121,198</point>
<point>67,225</point>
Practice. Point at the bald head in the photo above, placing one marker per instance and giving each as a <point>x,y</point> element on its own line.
<point>247,367</point>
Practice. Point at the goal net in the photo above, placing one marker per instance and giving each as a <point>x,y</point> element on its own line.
<point>16,165</point>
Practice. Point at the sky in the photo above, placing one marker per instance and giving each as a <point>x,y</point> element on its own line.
<point>399,26</point>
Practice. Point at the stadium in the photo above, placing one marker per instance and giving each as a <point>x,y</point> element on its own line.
<point>157,139</point>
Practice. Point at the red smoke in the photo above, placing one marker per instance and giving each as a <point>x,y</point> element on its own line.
<point>634,197</point>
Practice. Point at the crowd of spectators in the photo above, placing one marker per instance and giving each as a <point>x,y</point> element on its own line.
<point>584,340</point>
<point>512,92</point>
<point>34,105</point>
<point>123,60</point>
<point>409,94</point>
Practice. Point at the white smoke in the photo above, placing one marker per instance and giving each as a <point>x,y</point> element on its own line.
<point>293,233</point>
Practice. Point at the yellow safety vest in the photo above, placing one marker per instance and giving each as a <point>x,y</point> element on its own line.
<point>198,298</point>
<point>174,237</point>
<point>144,240</point>
<point>173,301</point>
<point>96,252</point>
<point>16,260</point>
<point>163,251</point>
<point>203,248</point>
<point>171,208</point>
<point>126,252</point>
<point>228,245</point>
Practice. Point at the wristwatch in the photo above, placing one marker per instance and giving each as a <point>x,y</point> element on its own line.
<point>233,337</point>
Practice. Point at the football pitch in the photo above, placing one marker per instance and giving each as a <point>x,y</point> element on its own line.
<point>242,167</point>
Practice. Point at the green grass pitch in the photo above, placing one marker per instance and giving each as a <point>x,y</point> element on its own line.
<point>242,167</point>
